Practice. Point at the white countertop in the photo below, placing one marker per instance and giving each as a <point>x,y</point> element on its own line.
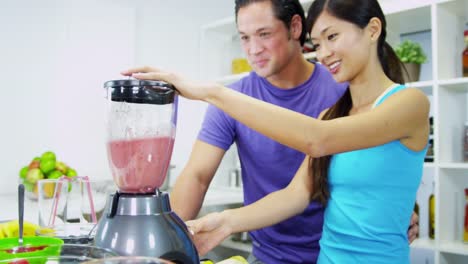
<point>9,208</point>
<point>9,203</point>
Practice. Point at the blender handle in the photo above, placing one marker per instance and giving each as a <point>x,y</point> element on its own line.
<point>115,202</point>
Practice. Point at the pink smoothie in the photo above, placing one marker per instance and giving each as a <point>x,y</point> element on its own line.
<point>140,165</point>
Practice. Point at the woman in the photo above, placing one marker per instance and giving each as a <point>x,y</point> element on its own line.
<point>365,155</point>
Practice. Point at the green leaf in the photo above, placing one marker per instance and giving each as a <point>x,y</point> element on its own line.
<point>410,52</point>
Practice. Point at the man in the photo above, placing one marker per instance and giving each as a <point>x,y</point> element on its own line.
<point>272,33</point>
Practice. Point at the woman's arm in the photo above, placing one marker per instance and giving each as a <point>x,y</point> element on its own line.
<point>275,207</point>
<point>398,117</point>
<point>212,229</point>
<point>402,116</point>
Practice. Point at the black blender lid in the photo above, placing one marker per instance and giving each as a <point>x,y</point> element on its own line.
<point>141,91</point>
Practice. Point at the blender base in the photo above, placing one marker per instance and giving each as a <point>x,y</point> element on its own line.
<point>144,225</point>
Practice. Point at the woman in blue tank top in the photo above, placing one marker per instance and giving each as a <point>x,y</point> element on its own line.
<point>365,155</point>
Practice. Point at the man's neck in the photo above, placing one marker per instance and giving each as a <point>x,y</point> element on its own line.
<point>297,72</point>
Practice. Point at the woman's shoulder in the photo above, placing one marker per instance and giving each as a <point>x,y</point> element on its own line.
<point>400,92</point>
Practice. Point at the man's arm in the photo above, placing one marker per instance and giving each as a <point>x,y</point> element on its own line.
<point>190,188</point>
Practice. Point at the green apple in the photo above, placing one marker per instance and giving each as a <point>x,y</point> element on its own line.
<point>48,155</point>
<point>47,165</point>
<point>28,186</point>
<point>24,172</point>
<point>34,175</point>
<point>34,164</point>
<point>71,173</point>
<point>60,166</point>
<point>55,174</point>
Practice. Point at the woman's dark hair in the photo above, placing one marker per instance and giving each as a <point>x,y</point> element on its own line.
<point>358,12</point>
<point>284,10</point>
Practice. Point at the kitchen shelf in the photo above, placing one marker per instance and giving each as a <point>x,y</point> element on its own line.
<point>310,55</point>
<point>224,25</point>
<point>231,78</point>
<point>225,80</point>
<point>424,243</point>
<point>453,247</point>
<point>429,165</point>
<point>425,86</point>
<point>454,165</point>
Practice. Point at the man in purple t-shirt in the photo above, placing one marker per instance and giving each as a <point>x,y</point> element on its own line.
<point>282,77</point>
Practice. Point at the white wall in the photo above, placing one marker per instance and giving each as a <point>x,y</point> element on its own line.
<point>168,36</point>
<point>56,55</point>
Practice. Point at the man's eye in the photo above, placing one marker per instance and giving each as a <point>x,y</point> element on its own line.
<point>264,34</point>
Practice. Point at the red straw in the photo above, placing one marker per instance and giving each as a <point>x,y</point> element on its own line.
<point>58,189</point>
<point>90,197</point>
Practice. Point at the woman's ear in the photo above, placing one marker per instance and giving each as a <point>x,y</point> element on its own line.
<point>374,28</point>
<point>296,27</point>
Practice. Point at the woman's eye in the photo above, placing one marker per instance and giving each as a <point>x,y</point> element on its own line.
<point>332,36</point>
<point>244,38</point>
<point>315,46</point>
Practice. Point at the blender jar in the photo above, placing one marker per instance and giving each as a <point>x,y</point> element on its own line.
<point>141,129</point>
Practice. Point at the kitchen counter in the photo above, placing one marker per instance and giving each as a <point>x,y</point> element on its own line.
<point>9,208</point>
<point>214,197</point>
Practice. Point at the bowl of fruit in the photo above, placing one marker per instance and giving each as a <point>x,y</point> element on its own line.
<point>46,166</point>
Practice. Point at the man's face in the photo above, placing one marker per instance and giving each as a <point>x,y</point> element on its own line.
<point>264,39</point>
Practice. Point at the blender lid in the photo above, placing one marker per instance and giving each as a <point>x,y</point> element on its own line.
<point>141,91</point>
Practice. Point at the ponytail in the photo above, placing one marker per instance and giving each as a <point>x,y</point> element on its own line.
<point>319,166</point>
<point>390,62</point>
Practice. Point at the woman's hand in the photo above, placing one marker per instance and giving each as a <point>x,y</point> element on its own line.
<point>209,231</point>
<point>187,88</point>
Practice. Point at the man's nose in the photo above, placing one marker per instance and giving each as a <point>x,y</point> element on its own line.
<point>256,47</point>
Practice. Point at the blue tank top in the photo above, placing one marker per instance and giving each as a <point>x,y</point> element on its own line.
<point>268,166</point>
<point>372,195</point>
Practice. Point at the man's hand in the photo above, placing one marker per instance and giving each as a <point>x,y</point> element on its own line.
<point>413,230</point>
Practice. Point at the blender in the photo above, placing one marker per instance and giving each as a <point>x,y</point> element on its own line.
<point>138,220</point>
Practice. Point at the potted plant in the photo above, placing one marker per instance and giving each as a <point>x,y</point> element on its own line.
<point>412,56</point>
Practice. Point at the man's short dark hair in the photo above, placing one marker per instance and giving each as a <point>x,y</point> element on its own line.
<point>284,10</point>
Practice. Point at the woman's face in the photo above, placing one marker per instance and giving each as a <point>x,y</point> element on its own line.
<point>341,46</point>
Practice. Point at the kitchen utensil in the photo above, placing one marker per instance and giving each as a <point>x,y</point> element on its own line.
<point>31,246</point>
<point>20,213</point>
<point>138,220</point>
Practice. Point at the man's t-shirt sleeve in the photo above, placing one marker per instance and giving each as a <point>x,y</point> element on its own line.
<point>217,128</point>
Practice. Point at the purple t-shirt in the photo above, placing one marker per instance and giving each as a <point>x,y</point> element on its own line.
<point>268,166</point>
